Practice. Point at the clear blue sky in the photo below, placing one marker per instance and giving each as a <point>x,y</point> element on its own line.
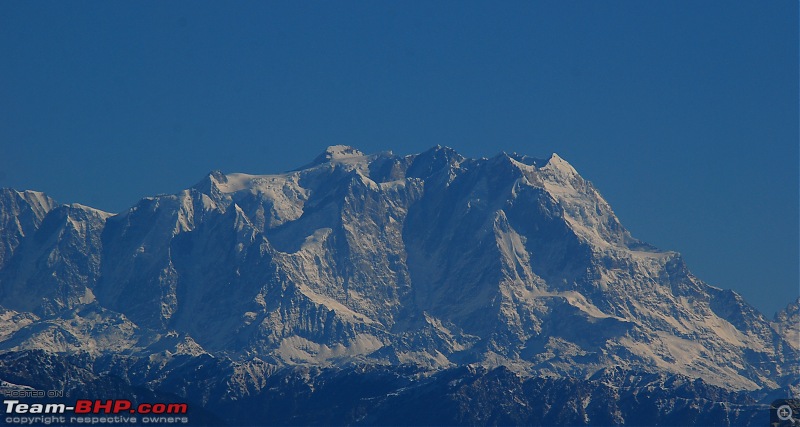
<point>684,114</point>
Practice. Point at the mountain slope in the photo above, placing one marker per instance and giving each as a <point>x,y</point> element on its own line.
<point>787,323</point>
<point>433,260</point>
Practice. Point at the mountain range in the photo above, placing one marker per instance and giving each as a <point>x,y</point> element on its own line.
<point>502,283</point>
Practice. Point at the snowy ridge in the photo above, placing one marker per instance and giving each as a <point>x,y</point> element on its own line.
<point>431,259</point>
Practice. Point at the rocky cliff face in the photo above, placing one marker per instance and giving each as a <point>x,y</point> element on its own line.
<point>430,260</point>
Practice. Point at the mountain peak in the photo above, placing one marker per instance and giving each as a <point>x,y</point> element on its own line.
<point>218,176</point>
<point>430,259</point>
<point>338,152</point>
<point>555,162</point>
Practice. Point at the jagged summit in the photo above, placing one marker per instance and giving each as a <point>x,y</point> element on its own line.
<point>431,259</point>
<point>337,153</point>
<point>349,158</point>
<point>787,323</point>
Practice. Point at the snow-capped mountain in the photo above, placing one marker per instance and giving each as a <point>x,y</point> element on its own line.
<point>431,260</point>
<point>787,323</point>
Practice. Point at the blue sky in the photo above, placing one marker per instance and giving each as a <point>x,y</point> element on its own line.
<point>684,114</point>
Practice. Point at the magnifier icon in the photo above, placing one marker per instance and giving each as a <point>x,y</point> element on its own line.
<point>785,413</point>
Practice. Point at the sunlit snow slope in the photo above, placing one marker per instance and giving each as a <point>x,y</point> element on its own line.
<point>430,259</point>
